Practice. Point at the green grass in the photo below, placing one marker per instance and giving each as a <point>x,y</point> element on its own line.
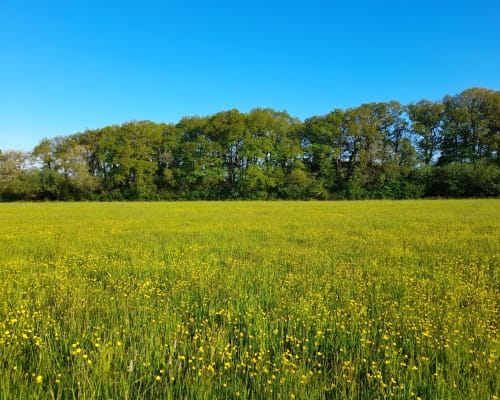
<point>250,300</point>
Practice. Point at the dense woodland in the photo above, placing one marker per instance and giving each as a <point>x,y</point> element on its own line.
<point>446,148</point>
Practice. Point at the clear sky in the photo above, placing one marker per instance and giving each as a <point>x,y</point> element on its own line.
<point>69,65</point>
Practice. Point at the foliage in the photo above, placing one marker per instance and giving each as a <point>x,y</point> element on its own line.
<point>466,180</point>
<point>370,151</point>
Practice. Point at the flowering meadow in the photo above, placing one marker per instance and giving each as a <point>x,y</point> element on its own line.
<point>250,300</point>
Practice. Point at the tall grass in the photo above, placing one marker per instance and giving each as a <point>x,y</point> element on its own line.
<point>250,300</point>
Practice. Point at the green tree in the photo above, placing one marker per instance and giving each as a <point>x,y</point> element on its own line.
<point>270,146</point>
<point>364,143</point>
<point>13,166</point>
<point>323,143</point>
<point>45,152</point>
<point>426,125</point>
<point>165,178</point>
<point>201,167</point>
<point>72,163</point>
<point>471,129</point>
<point>396,129</point>
<point>228,130</point>
<point>127,158</point>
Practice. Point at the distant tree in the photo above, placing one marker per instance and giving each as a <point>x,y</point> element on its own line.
<point>271,149</point>
<point>323,143</point>
<point>376,150</point>
<point>471,129</point>
<point>73,165</point>
<point>426,124</point>
<point>395,127</point>
<point>228,130</point>
<point>13,165</point>
<point>479,179</point>
<point>297,184</point>
<point>365,142</point>
<point>201,167</point>
<point>65,171</point>
<point>45,152</point>
<point>165,157</point>
<point>126,158</point>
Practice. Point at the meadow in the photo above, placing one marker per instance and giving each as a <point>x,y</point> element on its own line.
<point>250,300</point>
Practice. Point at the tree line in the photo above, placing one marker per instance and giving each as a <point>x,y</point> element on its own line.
<point>446,148</point>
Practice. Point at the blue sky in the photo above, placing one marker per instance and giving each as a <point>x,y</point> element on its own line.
<point>67,66</point>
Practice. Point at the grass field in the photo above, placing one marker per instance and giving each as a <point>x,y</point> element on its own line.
<point>250,300</point>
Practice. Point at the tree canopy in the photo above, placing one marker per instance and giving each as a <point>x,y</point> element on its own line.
<point>377,150</point>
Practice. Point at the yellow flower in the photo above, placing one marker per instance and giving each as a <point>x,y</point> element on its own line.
<point>39,379</point>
